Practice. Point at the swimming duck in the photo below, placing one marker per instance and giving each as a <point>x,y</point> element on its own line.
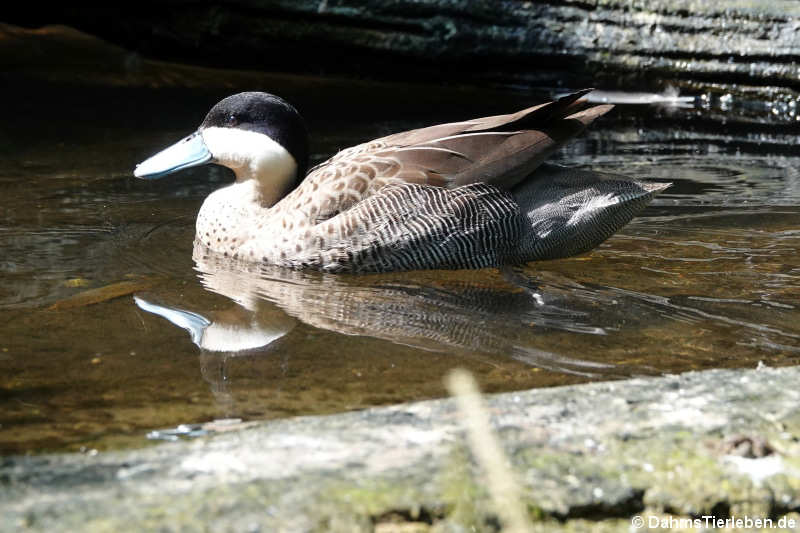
<point>469,194</point>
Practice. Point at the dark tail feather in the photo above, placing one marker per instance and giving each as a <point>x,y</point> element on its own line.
<point>536,117</point>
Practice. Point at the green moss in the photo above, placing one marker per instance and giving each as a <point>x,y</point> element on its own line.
<point>458,487</point>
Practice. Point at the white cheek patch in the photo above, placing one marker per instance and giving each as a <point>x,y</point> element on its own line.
<point>250,154</point>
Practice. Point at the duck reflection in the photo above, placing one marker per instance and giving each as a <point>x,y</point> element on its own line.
<point>233,330</point>
<point>485,316</point>
<point>486,311</point>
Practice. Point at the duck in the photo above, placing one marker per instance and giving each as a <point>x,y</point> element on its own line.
<point>462,195</point>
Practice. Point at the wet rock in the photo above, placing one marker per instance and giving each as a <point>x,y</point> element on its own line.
<point>718,46</point>
<point>751,447</point>
<point>64,66</point>
<point>586,455</point>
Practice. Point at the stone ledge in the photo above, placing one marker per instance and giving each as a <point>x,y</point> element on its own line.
<point>719,442</point>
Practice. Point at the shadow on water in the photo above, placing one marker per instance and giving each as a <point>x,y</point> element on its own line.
<point>706,277</point>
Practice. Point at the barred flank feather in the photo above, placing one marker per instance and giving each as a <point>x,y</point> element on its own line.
<point>409,227</point>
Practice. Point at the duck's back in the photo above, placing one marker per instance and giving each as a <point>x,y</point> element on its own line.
<point>499,150</point>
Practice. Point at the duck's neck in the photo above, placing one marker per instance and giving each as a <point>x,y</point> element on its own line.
<point>265,168</point>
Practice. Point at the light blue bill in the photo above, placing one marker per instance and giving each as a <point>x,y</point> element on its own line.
<point>188,152</point>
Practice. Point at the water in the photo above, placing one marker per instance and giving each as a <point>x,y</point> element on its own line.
<point>708,276</point>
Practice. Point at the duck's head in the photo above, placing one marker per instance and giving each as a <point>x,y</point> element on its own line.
<point>257,135</point>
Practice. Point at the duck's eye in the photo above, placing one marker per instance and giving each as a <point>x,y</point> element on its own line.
<point>232,120</point>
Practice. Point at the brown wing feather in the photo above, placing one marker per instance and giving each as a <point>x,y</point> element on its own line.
<point>500,150</point>
<point>534,117</point>
<point>507,163</point>
<point>524,119</point>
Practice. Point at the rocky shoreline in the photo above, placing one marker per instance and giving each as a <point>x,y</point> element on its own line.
<point>721,443</point>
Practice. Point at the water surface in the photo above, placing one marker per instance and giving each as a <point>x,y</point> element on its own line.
<point>708,276</point>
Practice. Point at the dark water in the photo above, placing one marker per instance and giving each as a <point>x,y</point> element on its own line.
<point>708,276</point>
